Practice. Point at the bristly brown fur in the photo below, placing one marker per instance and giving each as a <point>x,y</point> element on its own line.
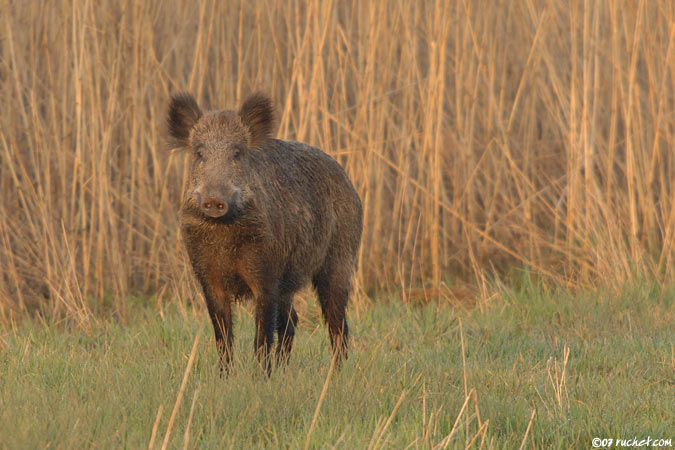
<point>257,114</point>
<point>184,113</point>
<point>287,216</point>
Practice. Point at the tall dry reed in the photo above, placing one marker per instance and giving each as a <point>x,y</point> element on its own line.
<point>481,136</point>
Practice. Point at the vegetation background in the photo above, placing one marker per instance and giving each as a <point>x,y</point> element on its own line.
<point>481,136</point>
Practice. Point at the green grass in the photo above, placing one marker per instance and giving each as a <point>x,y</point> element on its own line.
<point>403,384</point>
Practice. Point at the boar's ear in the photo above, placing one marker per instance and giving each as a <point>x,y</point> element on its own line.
<point>183,115</point>
<point>257,114</point>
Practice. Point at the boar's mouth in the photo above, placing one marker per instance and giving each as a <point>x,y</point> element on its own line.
<point>233,215</point>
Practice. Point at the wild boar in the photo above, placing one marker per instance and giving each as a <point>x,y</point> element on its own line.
<point>261,218</point>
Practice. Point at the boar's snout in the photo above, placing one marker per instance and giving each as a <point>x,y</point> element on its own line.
<point>216,203</point>
<point>214,207</point>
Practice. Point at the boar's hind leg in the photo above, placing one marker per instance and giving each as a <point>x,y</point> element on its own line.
<point>286,323</point>
<point>332,287</point>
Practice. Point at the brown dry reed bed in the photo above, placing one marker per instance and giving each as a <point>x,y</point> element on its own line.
<point>481,136</point>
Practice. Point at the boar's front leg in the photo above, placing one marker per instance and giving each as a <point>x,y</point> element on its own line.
<point>219,304</point>
<point>262,278</point>
<point>266,315</point>
<point>286,323</point>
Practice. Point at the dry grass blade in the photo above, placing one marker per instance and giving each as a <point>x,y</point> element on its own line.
<point>446,440</point>
<point>155,426</point>
<point>186,436</point>
<point>464,376</point>
<point>181,391</point>
<point>482,430</point>
<point>527,430</point>
<point>379,432</point>
<point>319,402</point>
<point>557,377</point>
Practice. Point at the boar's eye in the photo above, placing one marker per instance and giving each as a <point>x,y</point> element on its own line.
<point>236,152</point>
<point>198,151</point>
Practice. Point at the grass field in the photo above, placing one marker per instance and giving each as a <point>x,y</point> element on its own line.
<point>589,365</point>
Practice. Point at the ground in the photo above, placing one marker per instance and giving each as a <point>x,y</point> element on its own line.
<point>593,364</point>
